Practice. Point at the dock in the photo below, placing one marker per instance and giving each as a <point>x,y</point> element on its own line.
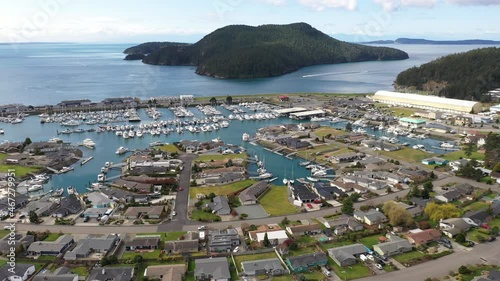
<point>53,170</point>
<point>86,160</point>
<point>289,156</point>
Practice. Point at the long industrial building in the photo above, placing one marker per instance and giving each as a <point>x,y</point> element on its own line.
<point>428,102</point>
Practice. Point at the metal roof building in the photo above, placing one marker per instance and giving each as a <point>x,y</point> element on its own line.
<point>305,114</point>
<point>289,110</point>
<point>427,102</point>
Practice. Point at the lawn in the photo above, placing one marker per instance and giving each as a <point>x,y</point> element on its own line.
<point>323,131</point>
<point>350,272</point>
<point>162,235</point>
<point>199,215</point>
<point>173,236</point>
<point>476,206</point>
<point>406,257</point>
<point>473,234</point>
<point>52,237</point>
<point>275,201</point>
<point>81,271</point>
<point>369,241</point>
<point>153,255</point>
<point>220,190</point>
<point>209,157</point>
<point>407,155</point>
<point>320,149</point>
<point>3,156</point>
<point>336,244</point>
<point>397,111</point>
<point>4,232</point>
<point>314,275</point>
<point>495,222</point>
<point>303,250</point>
<point>169,148</point>
<point>253,257</point>
<point>2,262</point>
<point>476,271</point>
<point>461,154</point>
<point>20,171</point>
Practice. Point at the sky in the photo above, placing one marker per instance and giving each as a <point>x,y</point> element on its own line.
<point>189,20</point>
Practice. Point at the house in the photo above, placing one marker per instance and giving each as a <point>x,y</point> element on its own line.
<point>152,212</point>
<point>251,195</point>
<point>493,275</point>
<point>419,202</point>
<point>458,164</point>
<point>435,161</point>
<point>223,240</point>
<point>60,274</point>
<point>412,209</point>
<point>69,205</point>
<point>271,267</point>
<point>294,143</point>
<point>479,140</point>
<point>142,243</point>
<point>327,191</point>
<point>347,157</point>
<point>92,244</point>
<point>301,193</point>
<point>300,230</point>
<point>452,227</point>
<point>479,216</point>
<point>167,272</point>
<point>17,241</point>
<point>212,269</point>
<point>275,237</point>
<point>347,255</point>
<point>371,217</point>
<point>99,200</point>
<point>342,224</point>
<point>412,123</point>
<point>220,206</point>
<point>111,273</point>
<point>348,187</point>
<point>424,237</point>
<point>190,244</point>
<point>464,188</point>
<point>51,248</point>
<point>21,272</point>
<point>41,207</point>
<point>395,246</point>
<point>449,196</point>
<point>302,263</point>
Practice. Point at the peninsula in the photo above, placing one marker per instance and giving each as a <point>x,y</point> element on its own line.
<point>239,51</point>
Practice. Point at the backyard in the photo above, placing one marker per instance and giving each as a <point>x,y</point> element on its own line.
<point>253,257</point>
<point>407,257</point>
<point>220,190</point>
<point>369,241</point>
<point>149,255</point>
<point>323,131</point>
<point>407,155</point>
<point>169,148</point>
<point>200,215</point>
<point>350,272</point>
<point>452,156</point>
<point>275,201</point>
<point>51,237</point>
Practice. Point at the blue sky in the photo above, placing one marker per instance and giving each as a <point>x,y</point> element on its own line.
<point>189,20</point>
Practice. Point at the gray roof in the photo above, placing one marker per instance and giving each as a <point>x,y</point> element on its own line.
<point>250,267</point>
<point>52,246</point>
<point>457,223</point>
<point>60,274</point>
<point>347,252</point>
<point>254,191</point>
<point>143,242</point>
<point>394,246</point>
<point>97,244</point>
<point>218,268</point>
<point>111,273</point>
<point>220,205</point>
<point>20,269</point>
<point>98,198</point>
<point>305,260</point>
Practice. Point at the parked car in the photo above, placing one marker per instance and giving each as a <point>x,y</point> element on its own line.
<point>202,227</point>
<point>181,189</point>
<point>328,267</point>
<point>327,273</point>
<point>86,219</point>
<point>491,238</point>
<point>444,240</point>
<point>174,213</point>
<point>236,249</point>
<point>379,266</point>
<point>449,246</point>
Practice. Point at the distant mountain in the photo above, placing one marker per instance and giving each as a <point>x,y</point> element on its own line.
<point>464,76</point>
<point>140,51</point>
<point>239,51</point>
<point>435,42</point>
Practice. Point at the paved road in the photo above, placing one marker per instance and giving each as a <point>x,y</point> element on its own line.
<point>182,198</point>
<point>441,267</point>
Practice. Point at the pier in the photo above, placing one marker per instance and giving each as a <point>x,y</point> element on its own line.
<point>86,160</point>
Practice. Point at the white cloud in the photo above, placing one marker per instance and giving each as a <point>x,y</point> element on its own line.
<point>320,5</point>
<point>273,2</point>
<point>475,2</point>
<point>391,5</point>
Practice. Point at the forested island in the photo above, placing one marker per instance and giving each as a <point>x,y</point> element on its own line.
<point>466,76</point>
<point>240,51</point>
<point>417,41</point>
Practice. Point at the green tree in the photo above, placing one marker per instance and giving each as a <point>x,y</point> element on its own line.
<point>347,206</point>
<point>460,238</point>
<point>229,100</point>
<point>494,231</point>
<point>397,215</point>
<point>436,211</point>
<point>428,186</point>
<point>469,148</point>
<point>348,127</point>
<point>266,241</point>
<point>138,259</point>
<point>213,101</point>
<point>464,270</point>
<point>33,217</point>
<point>285,221</point>
<point>27,141</point>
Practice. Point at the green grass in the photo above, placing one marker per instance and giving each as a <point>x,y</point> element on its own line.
<point>4,232</point>
<point>80,271</point>
<point>350,272</point>
<point>301,250</point>
<point>495,222</point>
<point>199,215</point>
<point>215,157</point>
<point>330,245</point>
<point>2,262</point>
<point>474,233</point>
<point>169,148</point>
<point>397,111</point>
<point>407,155</point>
<point>220,190</point>
<point>323,131</point>
<point>3,156</point>
<point>146,255</point>
<point>52,237</point>
<point>20,171</point>
<point>275,201</point>
<point>461,154</point>
<point>476,206</point>
<point>162,235</point>
<point>311,154</point>
<point>314,275</point>
<point>369,241</point>
<point>173,236</point>
<point>476,271</point>
<point>253,257</point>
<point>406,257</point>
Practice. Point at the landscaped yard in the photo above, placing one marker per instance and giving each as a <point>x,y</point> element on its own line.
<point>199,215</point>
<point>146,255</point>
<point>20,171</point>
<point>323,131</point>
<point>275,201</point>
<point>220,190</point>
<point>336,244</point>
<point>173,236</point>
<point>312,153</point>
<point>452,156</point>
<point>406,257</point>
<point>169,148</point>
<point>4,232</point>
<point>476,206</point>
<point>350,272</point>
<point>52,237</point>
<point>407,155</point>
<point>81,271</point>
<point>369,241</point>
<point>209,157</point>
<point>476,233</point>
<point>253,257</point>
<point>162,235</point>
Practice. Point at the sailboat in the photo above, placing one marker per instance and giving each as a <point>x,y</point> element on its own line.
<point>285,181</point>
<point>291,181</point>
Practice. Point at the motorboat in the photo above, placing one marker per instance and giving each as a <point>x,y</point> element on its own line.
<point>89,143</point>
<point>312,179</point>
<point>305,163</point>
<point>285,181</point>
<point>246,137</point>
<point>101,177</point>
<point>265,176</point>
<point>59,192</point>
<point>271,180</point>
<point>55,140</point>
<point>35,187</point>
<point>2,131</point>
<point>418,146</point>
<point>156,143</point>
<point>134,118</point>
<point>71,190</point>
<point>447,145</point>
<point>66,169</point>
<point>121,150</point>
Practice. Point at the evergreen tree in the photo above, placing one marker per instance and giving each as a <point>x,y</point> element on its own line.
<point>266,241</point>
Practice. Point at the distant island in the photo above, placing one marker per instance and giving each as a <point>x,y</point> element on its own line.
<point>464,76</point>
<point>240,51</point>
<point>435,42</point>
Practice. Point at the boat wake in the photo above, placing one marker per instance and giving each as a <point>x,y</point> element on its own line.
<point>333,73</point>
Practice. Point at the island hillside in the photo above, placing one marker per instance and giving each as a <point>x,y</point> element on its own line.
<point>416,41</point>
<point>239,51</point>
<point>464,76</point>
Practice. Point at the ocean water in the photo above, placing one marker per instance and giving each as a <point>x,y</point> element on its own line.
<point>37,74</point>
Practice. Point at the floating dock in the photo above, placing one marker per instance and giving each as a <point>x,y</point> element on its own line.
<point>86,160</point>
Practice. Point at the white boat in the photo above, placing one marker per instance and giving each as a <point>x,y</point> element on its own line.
<point>265,176</point>
<point>418,146</point>
<point>218,139</point>
<point>35,187</point>
<point>312,179</point>
<point>101,177</point>
<point>134,118</point>
<point>88,143</point>
<point>125,135</point>
<point>447,145</point>
<point>156,143</point>
<point>71,190</point>
<point>58,192</point>
<point>285,181</point>
<point>66,169</point>
<point>55,140</point>
<point>139,134</point>
<point>2,131</point>
<point>121,150</point>
<point>246,137</point>
<point>305,163</point>
<point>271,180</point>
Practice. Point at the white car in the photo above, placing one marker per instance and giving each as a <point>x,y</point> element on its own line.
<point>174,213</point>
<point>236,249</point>
<point>202,227</point>
<point>379,266</point>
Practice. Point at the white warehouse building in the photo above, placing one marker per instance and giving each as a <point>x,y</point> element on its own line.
<point>428,102</point>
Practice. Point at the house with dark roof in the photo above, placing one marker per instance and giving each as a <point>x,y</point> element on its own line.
<point>395,246</point>
<point>479,216</point>
<point>424,237</point>
<point>40,207</point>
<point>453,226</point>
<point>220,206</point>
<point>21,272</point>
<point>294,143</point>
<point>302,263</point>
<point>464,188</point>
<point>212,269</point>
<point>251,195</point>
<point>92,244</point>
<point>342,224</point>
<point>51,248</point>
<point>166,272</point>
<point>347,157</point>
<point>421,203</point>
<point>300,230</point>
<point>327,191</point>
<point>69,205</point>
<point>118,273</point>
<point>18,241</point>
<point>371,217</point>
<point>152,212</point>
<point>449,196</point>
<point>272,267</point>
<point>223,240</point>
<point>142,243</point>
<point>60,274</point>
<point>347,255</point>
<point>190,244</point>
<point>302,193</point>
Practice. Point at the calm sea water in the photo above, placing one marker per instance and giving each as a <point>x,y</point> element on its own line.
<point>40,74</point>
